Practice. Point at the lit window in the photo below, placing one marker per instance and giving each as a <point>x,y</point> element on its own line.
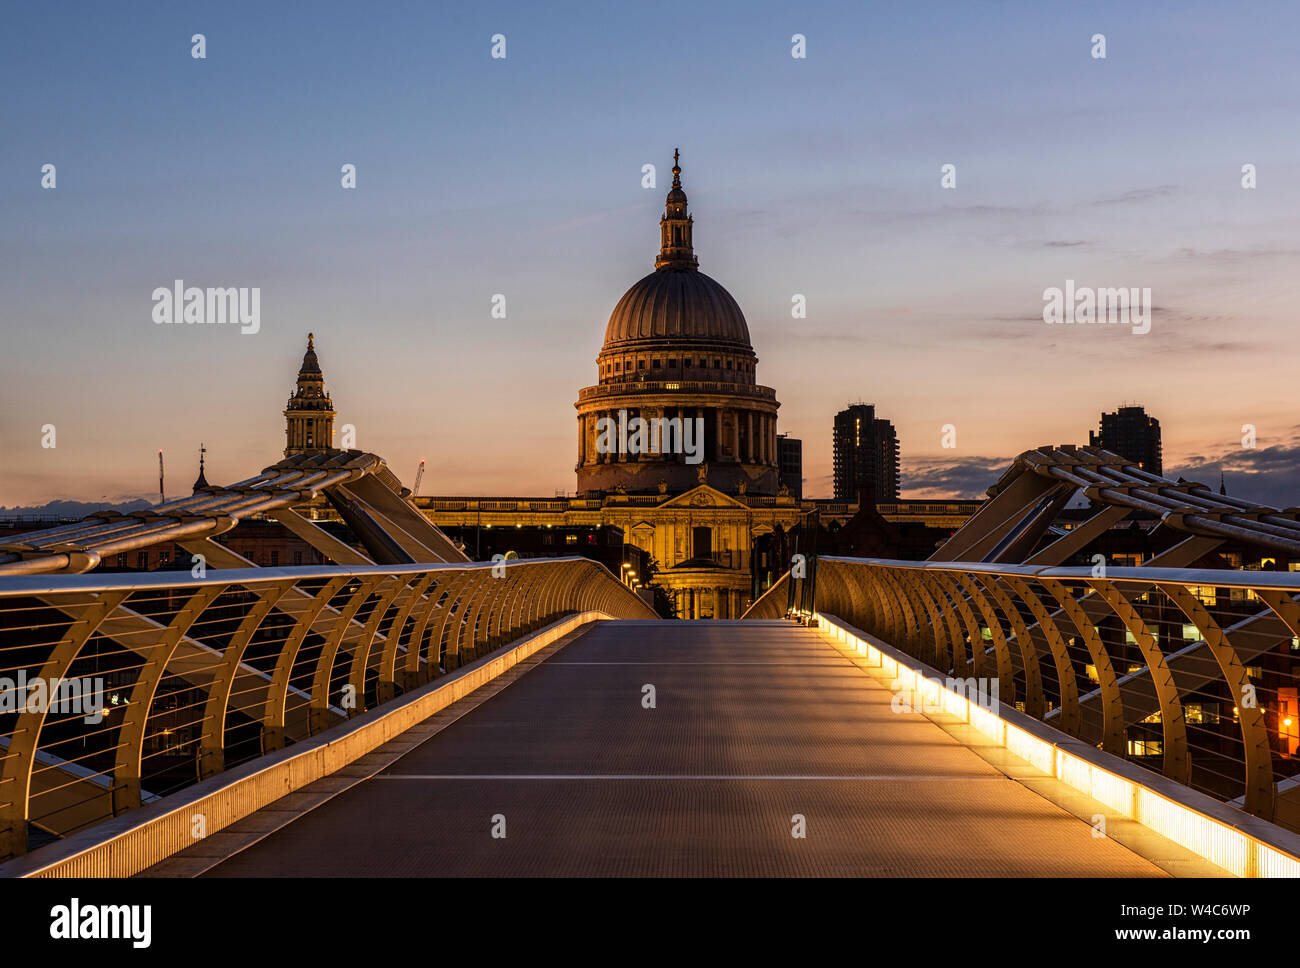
<point>1145,747</point>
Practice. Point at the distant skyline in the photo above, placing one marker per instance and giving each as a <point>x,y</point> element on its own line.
<point>817,176</point>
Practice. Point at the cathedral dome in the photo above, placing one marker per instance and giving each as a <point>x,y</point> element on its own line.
<point>676,304</point>
<point>677,354</point>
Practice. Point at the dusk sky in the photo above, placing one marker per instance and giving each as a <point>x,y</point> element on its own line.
<point>522,176</point>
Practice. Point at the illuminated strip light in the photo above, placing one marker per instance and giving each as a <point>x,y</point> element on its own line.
<point>1237,851</point>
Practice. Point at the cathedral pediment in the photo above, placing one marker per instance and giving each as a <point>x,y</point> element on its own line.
<point>704,496</point>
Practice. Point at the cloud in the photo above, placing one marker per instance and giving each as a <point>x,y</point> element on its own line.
<point>71,509</point>
<point>1233,256</point>
<point>1138,195</point>
<point>945,477</point>
<point>1268,473</point>
<point>586,220</point>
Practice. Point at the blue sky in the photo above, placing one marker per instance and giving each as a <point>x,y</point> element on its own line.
<point>522,176</point>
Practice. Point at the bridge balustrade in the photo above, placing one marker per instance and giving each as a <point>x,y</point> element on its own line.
<point>1189,672</point>
<point>119,689</point>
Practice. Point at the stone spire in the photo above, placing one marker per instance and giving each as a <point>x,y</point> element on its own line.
<point>201,482</point>
<point>676,249</point>
<point>310,365</point>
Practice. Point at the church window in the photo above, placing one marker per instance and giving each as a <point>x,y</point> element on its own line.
<point>640,364</point>
<point>702,542</point>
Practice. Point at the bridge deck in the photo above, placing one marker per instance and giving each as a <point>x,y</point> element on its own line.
<point>754,722</point>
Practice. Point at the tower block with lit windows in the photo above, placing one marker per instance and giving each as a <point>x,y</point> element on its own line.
<point>309,416</point>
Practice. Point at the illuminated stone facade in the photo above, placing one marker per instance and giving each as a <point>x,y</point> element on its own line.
<point>309,415</point>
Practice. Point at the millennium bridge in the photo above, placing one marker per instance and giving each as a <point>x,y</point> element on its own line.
<point>1017,705</point>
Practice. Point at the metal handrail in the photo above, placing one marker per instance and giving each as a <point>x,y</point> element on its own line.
<point>1118,657</point>
<point>1222,578</point>
<point>233,663</point>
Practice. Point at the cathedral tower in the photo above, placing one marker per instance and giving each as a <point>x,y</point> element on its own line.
<point>309,427</point>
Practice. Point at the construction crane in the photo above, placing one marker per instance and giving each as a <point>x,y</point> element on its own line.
<point>419,476</point>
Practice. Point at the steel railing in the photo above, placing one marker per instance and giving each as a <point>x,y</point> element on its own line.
<point>1189,672</point>
<point>118,689</point>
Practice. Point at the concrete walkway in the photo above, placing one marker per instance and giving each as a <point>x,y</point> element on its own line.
<point>759,730</point>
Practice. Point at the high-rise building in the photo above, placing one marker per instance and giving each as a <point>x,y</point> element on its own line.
<point>1131,433</point>
<point>309,416</point>
<point>789,458</point>
<point>866,454</point>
